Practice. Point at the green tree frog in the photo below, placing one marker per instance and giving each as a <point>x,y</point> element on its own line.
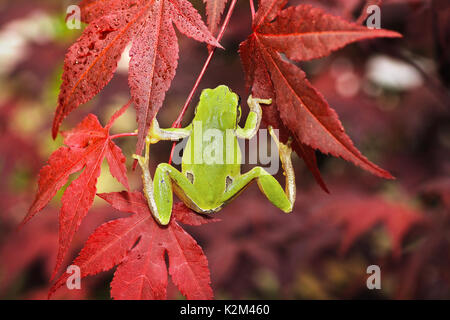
<point>211,172</point>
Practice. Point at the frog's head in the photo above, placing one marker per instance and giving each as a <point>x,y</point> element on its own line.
<point>219,107</point>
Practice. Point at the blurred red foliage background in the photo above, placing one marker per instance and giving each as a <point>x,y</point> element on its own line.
<point>391,95</point>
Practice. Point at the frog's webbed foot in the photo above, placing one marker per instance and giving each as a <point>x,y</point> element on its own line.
<point>285,152</point>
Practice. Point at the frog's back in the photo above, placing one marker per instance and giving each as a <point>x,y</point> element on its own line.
<point>211,159</point>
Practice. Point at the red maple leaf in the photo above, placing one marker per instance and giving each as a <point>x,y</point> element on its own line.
<point>86,147</point>
<point>301,33</point>
<point>138,245</point>
<point>92,60</point>
<point>214,9</point>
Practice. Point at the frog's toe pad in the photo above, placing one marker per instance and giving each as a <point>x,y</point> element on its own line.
<point>164,221</point>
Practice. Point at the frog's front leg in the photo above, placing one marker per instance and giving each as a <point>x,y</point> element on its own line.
<point>254,118</point>
<point>283,199</point>
<point>157,134</point>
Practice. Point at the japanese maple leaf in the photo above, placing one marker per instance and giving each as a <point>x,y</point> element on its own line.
<point>148,24</point>
<point>137,244</point>
<point>86,147</point>
<point>214,9</point>
<point>358,215</point>
<point>301,33</point>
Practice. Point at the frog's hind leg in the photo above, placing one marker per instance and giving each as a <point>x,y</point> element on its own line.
<point>180,184</point>
<point>283,199</point>
<point>268,185</point>
<point>158,191</point>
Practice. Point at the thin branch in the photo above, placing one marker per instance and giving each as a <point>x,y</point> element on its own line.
<point>177,122</point>
<point>252,9</point>
<point>121,135</point>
